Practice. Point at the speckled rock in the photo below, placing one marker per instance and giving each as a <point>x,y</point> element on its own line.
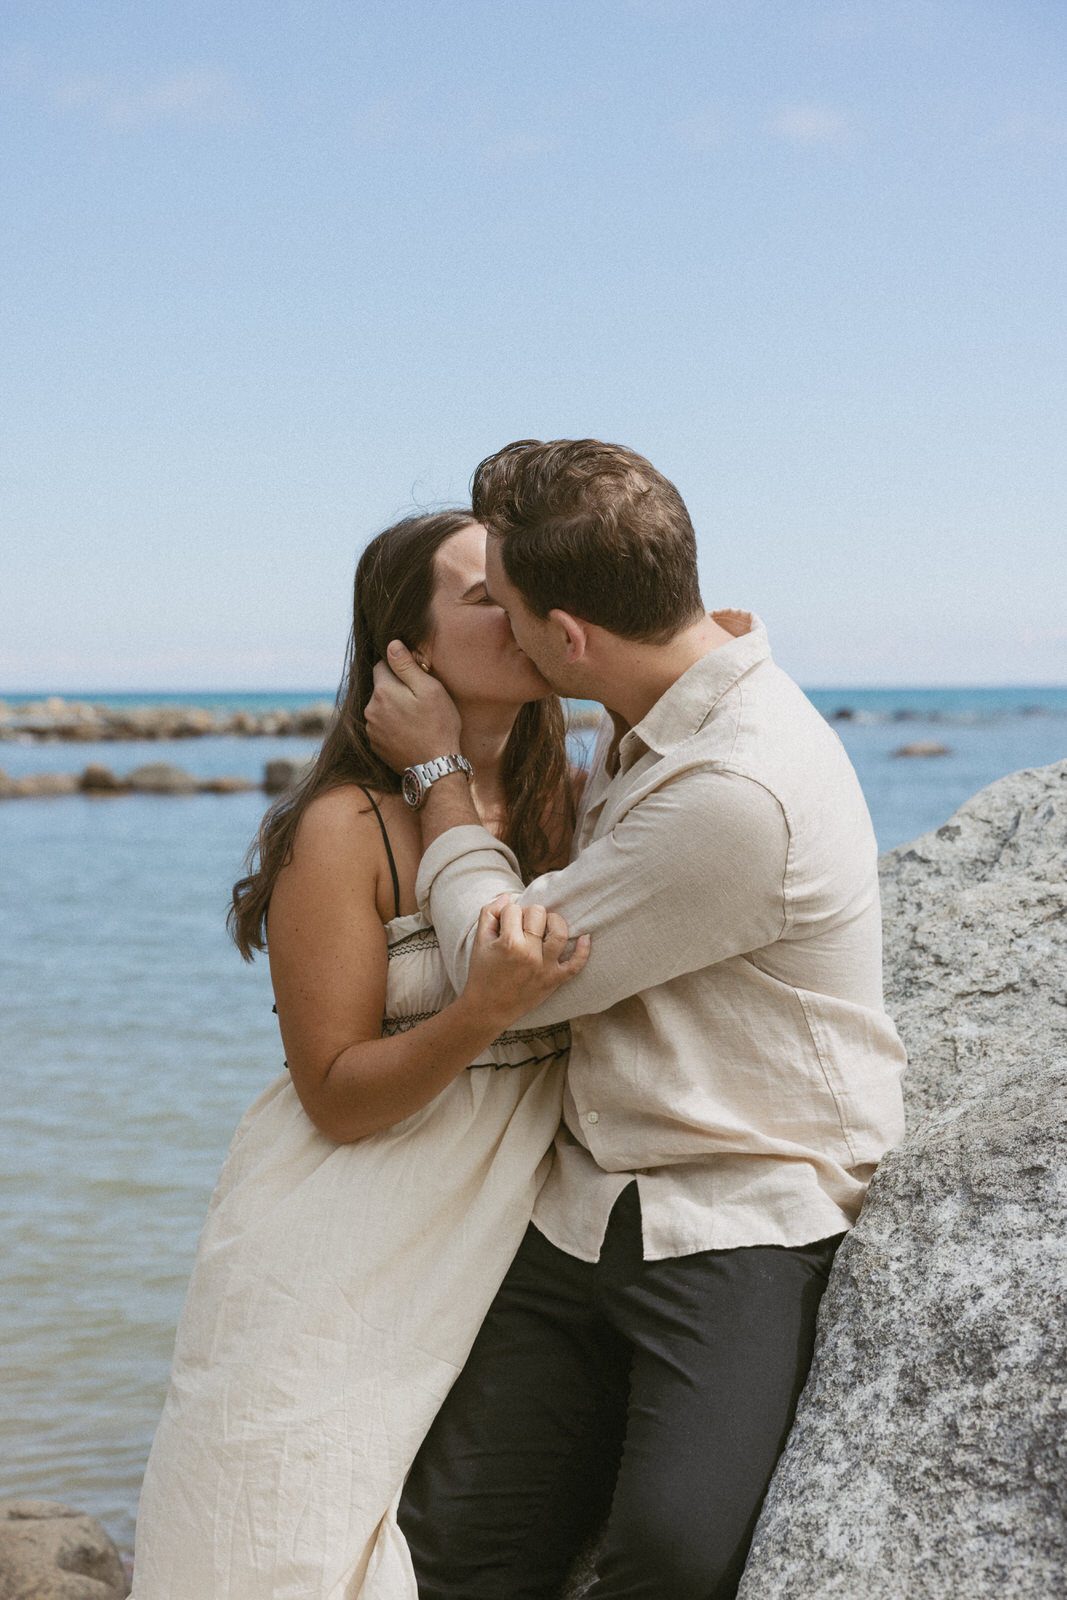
<point>975,920</point>
<point>928,1460</point>
<point>49,1552</point>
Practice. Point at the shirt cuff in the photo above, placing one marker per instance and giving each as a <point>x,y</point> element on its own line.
<point>478,844</point>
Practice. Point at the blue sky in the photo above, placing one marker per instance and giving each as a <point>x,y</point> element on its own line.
<point>275,273</point>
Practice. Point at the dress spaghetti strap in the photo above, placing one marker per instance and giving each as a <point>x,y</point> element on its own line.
<point>388,849</point>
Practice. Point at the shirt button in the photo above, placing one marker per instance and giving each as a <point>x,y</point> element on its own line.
<point>592,1116</point>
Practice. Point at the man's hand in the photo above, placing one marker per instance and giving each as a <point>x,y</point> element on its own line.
<point>410,716</point>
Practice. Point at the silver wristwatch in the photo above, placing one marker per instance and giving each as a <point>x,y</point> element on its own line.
<point>416,781</point>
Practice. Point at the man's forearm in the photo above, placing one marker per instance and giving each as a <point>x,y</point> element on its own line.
<point>691,876</point>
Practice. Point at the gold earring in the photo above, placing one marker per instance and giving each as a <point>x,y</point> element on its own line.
<point>425,665</point>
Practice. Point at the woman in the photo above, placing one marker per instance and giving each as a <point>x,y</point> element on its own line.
<point>374,1194</point>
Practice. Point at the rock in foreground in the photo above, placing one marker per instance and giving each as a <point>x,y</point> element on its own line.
<point>929,1456</point>
<point>975,920</point>
<point>49,1552</point>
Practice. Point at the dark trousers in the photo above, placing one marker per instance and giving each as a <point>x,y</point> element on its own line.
<point>655,1394</point>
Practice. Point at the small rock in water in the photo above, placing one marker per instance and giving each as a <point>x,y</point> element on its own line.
<point>50,1552</point>
<point>160,777</point>
<point>98,779</point>
<point>923,747</point>
<point>283,774</point>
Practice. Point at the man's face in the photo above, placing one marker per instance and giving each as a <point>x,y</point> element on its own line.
<point>533,635</point>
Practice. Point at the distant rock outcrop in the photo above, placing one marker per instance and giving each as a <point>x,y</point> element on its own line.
<point>923,747</point>
<point>160,777</point>
<point>928,1460</point>
<point>49,1552</point>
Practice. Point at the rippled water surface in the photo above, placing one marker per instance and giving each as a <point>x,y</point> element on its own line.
<point>132,1037</point>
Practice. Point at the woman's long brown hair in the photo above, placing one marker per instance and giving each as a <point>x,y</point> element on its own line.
<point>393,589</point>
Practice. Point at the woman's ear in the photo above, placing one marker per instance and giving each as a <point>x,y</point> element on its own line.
<point>575,634</point>
<point>421,660</point>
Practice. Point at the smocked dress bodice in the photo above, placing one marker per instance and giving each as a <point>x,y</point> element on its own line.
<point>417,987</point>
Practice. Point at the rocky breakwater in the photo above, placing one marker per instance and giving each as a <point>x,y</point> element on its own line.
<point>59,721</point>
<point>154,777</point>
<point>928,1460</point>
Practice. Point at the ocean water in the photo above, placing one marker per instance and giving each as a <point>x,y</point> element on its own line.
<point>132,1037</point>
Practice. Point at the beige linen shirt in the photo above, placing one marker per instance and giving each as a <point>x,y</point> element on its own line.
<point>730,1044</point>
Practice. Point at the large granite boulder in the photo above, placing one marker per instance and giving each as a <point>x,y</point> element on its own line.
<point>929,1456</point>
<point>928,1460</point>
<point>975,919</point>
<point>49,1552</point>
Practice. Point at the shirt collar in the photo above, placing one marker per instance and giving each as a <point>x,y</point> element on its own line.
<point>689,701</point>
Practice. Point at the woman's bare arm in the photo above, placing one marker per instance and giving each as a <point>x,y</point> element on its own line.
<point>328,959</point>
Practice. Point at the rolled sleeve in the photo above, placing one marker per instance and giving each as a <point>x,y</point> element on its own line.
<point>692,874</point>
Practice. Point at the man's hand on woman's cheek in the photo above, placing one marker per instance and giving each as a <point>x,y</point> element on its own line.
<point>410,716</point>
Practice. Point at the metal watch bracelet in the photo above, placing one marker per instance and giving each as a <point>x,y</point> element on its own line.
<point>417,781</point>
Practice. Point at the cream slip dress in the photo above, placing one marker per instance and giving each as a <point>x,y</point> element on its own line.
<point>336,1293</point>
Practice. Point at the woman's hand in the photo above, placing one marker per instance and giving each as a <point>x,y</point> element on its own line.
<point>519,959</point>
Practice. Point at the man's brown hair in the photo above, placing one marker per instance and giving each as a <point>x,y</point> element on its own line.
<point>592,529</point>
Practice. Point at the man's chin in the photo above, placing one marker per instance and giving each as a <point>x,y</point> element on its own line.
<point>547,686</point>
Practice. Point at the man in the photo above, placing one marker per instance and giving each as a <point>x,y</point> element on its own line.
<point>733,1079</point>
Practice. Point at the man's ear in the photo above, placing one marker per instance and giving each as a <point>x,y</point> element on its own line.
<point>575,632</point>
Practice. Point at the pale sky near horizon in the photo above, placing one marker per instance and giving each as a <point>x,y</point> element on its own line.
<point>276,273</point>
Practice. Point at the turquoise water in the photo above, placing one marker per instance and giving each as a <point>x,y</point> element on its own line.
<point>219,700</point>
<point>132,1037</point>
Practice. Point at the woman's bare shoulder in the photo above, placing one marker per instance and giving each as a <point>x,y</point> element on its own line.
<point>336,821</point>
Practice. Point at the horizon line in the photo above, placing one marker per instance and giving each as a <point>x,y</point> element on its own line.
<point>331,694</point>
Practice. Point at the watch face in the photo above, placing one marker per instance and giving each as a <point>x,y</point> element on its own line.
<point>411,789</point>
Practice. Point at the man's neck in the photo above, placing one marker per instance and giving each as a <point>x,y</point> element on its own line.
<point>633,675</point>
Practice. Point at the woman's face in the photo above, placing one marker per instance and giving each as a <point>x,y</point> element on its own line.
<point>471,648</point>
